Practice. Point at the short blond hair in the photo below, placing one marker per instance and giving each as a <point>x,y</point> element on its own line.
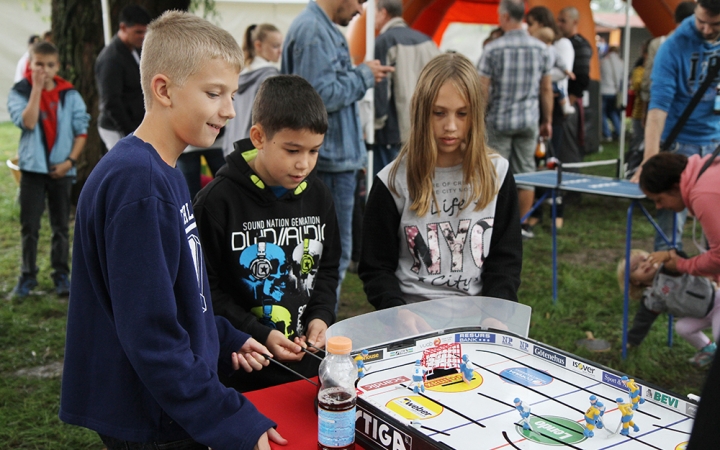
<point>545,34</point>
<point>635,290</point>
<point>178,44</point>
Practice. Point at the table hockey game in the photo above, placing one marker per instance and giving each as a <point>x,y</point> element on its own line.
<point>394,412</point>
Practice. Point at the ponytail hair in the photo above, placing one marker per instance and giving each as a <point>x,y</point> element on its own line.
<point>255,33</point>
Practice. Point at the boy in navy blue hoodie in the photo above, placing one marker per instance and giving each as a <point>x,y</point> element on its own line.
<point>143,344</point>
<point>269,229</point>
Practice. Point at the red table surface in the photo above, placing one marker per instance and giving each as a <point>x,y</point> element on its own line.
<point>292,407</point>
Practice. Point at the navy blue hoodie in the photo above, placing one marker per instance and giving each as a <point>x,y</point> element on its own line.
<point>143,342</point>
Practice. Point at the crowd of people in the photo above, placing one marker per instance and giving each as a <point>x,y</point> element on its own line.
<point>177,288</point>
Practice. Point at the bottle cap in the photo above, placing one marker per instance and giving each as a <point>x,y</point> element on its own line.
<point>339,345</point>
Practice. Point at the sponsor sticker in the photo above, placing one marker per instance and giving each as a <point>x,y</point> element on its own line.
<point>380,432</point>
<point>475,337</point>
<point>376,355</point>
<point>549,355</point>
<point>613,380</point>
<point>385,383</point>
<point>402,351</point>
<point>526,376</point>
<point>665,399</point>
<point>552,430</point>
<point>414,407</point>
<point>583,368</point>
<point>453,383</point>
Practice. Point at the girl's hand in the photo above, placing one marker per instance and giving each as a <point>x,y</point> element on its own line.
<point>413,323</point>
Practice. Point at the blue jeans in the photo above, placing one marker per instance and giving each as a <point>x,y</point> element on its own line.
<point>664,217</point>
<point>189,165</point>
<point>342,187</point>
<point>116,444</point>
<point>34,189</point>
<point>611,113</point>
<point>384,155</point>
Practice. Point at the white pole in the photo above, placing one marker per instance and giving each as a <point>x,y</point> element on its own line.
<point>626,69</point>
<point>370,94</point>
<point>106,21</point>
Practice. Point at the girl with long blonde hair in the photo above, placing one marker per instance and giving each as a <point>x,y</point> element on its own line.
<point>442,219</point>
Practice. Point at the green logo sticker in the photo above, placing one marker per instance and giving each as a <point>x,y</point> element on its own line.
<point>553,430</point>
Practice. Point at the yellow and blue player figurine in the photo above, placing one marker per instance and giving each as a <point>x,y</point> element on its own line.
<point>633,391</point>
<point>593,417</point>
<point>418,377</point>
<point>601,408</point>
<point>627,411</point>
<point>360,363</point>
<point>524,413</point>
<point>466,369</point>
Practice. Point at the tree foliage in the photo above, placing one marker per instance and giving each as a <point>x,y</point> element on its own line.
<point>78,33</point>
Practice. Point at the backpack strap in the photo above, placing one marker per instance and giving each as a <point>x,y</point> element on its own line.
<point>712,72</point>
<point>709,162</point>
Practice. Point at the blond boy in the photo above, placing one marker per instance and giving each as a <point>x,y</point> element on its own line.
<point>143,345</point>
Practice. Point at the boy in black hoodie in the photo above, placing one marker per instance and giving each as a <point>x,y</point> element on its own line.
<point>269,231</point>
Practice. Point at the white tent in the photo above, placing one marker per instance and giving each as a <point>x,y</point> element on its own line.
<point>28,18</point>
<point>34,18</point>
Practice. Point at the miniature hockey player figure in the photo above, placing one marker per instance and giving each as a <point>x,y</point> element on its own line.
<point>418,378</point>
<point>601,409</point>
<point>360,363</point>
<point>466,369</point>
<point>524,413</point>
<point>633,391</point>
<point>627,411</point>
<point>593,417</point>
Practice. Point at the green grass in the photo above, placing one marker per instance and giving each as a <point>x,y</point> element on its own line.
<point>32,331</point>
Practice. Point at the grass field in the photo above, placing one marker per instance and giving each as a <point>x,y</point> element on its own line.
<point>32,331</point>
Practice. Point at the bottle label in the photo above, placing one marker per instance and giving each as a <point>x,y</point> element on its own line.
<point>336,428</point>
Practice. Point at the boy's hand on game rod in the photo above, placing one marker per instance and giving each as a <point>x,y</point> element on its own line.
<point>412,322</point>
<point>282,348</point>
<point>250,356</point>
<point>316,334</point>
<point>271,435</point>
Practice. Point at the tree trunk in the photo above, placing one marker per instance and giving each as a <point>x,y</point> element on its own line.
<point>78,33</point>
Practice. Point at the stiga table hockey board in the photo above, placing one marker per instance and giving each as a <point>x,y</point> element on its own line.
<point>480,414</point>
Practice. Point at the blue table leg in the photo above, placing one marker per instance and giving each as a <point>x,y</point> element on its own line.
<point>672,243</point>
<point>626,296</point>
<point>554,246</point>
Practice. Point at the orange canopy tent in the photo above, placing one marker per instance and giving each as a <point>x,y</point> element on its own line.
<point>432,17</point>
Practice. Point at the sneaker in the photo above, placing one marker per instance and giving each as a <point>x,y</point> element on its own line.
<point>526,231</point>
<point>704,356</point>
<point>62,285</point>
<point>24,286</point>
<point>568,109</point>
